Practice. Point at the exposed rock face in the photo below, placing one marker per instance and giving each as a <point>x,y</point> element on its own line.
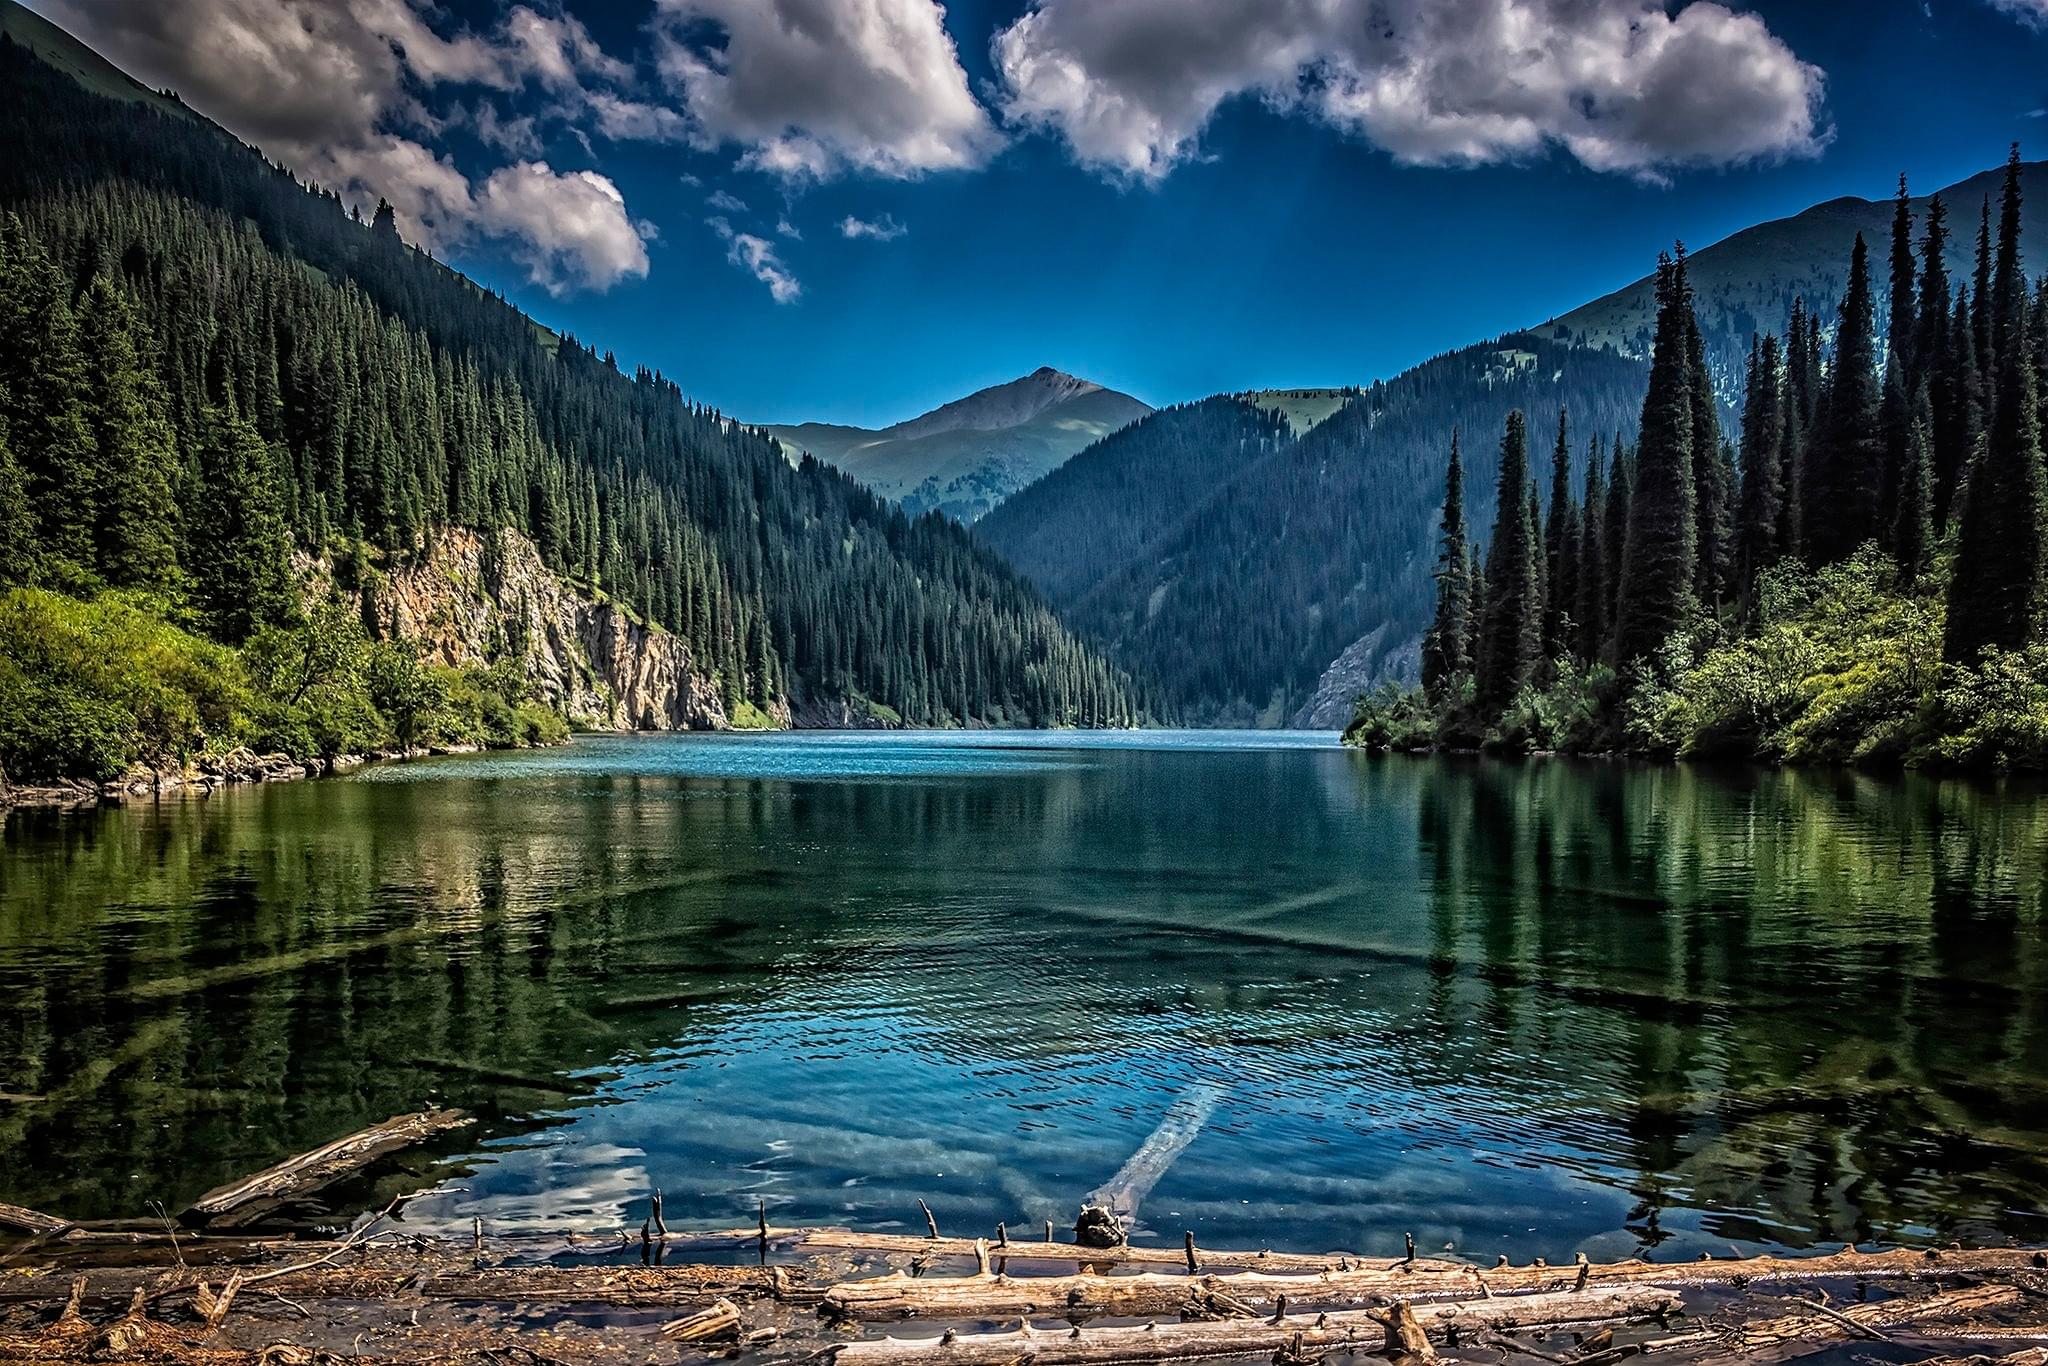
<point>1365,664</point>
<point>592,658</point>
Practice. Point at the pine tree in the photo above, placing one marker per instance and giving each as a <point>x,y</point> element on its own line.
<point>1958,403</point>
<point>1845,466</point>
<point>1660,565</point>
<point>1912,536</point>
<point>1591,609</point>
<point>137,532</point>
<point>237,548</point>
<point>1510,637</point>
<point>1713,534</point>
<point>1903,318</point>
<point>1560,551</point>
<point>1621,478</point>
<point>18,541</point>
<point>42,374</point>
<point>1982,331</point>
<point>1763,414</point>
<point>1446,650</point>
<point>1994,595</point>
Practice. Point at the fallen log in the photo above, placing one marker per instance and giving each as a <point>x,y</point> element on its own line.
<point>721,1320</point>
<point>1020,1250</point>
<point>447,1276</point>
<point>245,1201</point>
<point>16,1219</point>
<point>1303,1335</point>
<point>898,1296</point>
<point>1817,1327</point>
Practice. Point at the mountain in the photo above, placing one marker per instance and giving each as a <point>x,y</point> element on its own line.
<point>212,375</point>
<point>967,456</point>
<point>1274,587</point>
<point>1238,565</point>
<point>1746,282</point>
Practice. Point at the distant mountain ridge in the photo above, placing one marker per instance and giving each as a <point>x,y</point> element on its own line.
<point>1746,282</point>
<point>964,457</point>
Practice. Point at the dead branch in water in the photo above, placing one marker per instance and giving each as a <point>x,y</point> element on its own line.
<point>1001,1296</point>
<point>1355,1330</point>
<point>245,1201</point>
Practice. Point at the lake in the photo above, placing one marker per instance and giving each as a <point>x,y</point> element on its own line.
<point>1529,1008</point>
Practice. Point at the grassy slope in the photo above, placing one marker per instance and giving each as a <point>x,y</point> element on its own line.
<point>81,63</point>
<point>1304,409</point>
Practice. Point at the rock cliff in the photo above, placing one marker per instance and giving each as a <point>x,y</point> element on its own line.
<point>604,667</point>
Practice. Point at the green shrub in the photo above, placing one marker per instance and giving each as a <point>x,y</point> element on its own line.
<point>1994,716</point>
<point>1391,718</point>
<point>90,688</point>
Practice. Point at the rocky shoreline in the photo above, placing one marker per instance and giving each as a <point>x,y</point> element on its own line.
<point>204,776</point>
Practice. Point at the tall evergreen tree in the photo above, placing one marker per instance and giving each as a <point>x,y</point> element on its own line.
<point>1845,463</point>
<point>1912,535</point>
<point>43,376</point>
<point>18,542</point>
<point>1621,478</point>
<point>1560,550</point>
<point>1763,416</point>
<point>1982,327</point>
<point>1661,563</point>
<point>1902,315</point>
<point>1591,609</point>
<point>241,576</point>
<point>136,536</point>
<point>1446,649</point>
<point>1510,637</point>
<point>1958,401</point>
<point>1994,595</point>
<point>1711,493</point>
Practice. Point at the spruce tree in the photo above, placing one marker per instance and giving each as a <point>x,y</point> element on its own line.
<point>1912,536</point>
<point>1446,650</point>
<point>137,532</point>
<point>1903,317</point>
<point>1845,462</point>
<point>1958,403</point>
<point>1711,501</point>
<point>1560,551</point>
<point>1982,330</point>
<point>42,375</point>
<point>1621,478</point>
<point>237,548</point>
<point>1763,413</point>
<point>1510,638</point>
<point>1591,608</point>
<point>1660,565</point>
<point>18,542</point>
<point>1995,592</point>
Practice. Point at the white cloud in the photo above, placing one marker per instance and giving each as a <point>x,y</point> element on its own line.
<point>813,88</point>
<point>570,229</point>
<point>883,229</point>
<point>785,228</point>
<point>334,88</point>
<point>725,201</point>
<point>756,255</point>
<point>2034,12</point>
<point>1622,85</point>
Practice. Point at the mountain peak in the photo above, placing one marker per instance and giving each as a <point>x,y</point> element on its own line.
<point>1000,405</point>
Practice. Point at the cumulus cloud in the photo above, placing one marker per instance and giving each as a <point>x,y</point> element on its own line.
<point>570,229</point>
<point>883,229</point>
<point>335,89</point>
<point>814,88</point>
<point>756,255</point>
<point>1622,85</point>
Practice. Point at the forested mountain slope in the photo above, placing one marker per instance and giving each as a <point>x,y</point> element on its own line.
<point>1745,284</point>
<point>1235,565</point>
<point>208,367</point>
<point>965,457</point>
<point>1104,508</point>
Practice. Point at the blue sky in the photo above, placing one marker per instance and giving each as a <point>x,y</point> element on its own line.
<point>1174,197</point>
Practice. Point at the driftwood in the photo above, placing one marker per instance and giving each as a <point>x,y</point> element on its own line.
<point>1816,1327</point>
<point>721,1320</point>
<point>245,1201</point>
<point>449,1277</point>
<point>1014,1249</point>
<point>15,1219</point>
<point>1307,1334</point>
<point>1002,1297</point>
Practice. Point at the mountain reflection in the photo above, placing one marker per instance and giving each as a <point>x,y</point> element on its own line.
<point>1510,1007</point>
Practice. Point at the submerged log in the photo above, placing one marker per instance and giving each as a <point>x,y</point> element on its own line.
<point>1358,1330</point>
<point>1001,1297</point>
<point>448,1276</point>
<point>245,1201</point>
<point>920,1245</point>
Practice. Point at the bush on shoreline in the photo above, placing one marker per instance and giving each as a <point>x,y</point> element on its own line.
<point>91,688</point>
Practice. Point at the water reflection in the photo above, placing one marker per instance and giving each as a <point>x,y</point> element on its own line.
<point>1510,1007</point>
